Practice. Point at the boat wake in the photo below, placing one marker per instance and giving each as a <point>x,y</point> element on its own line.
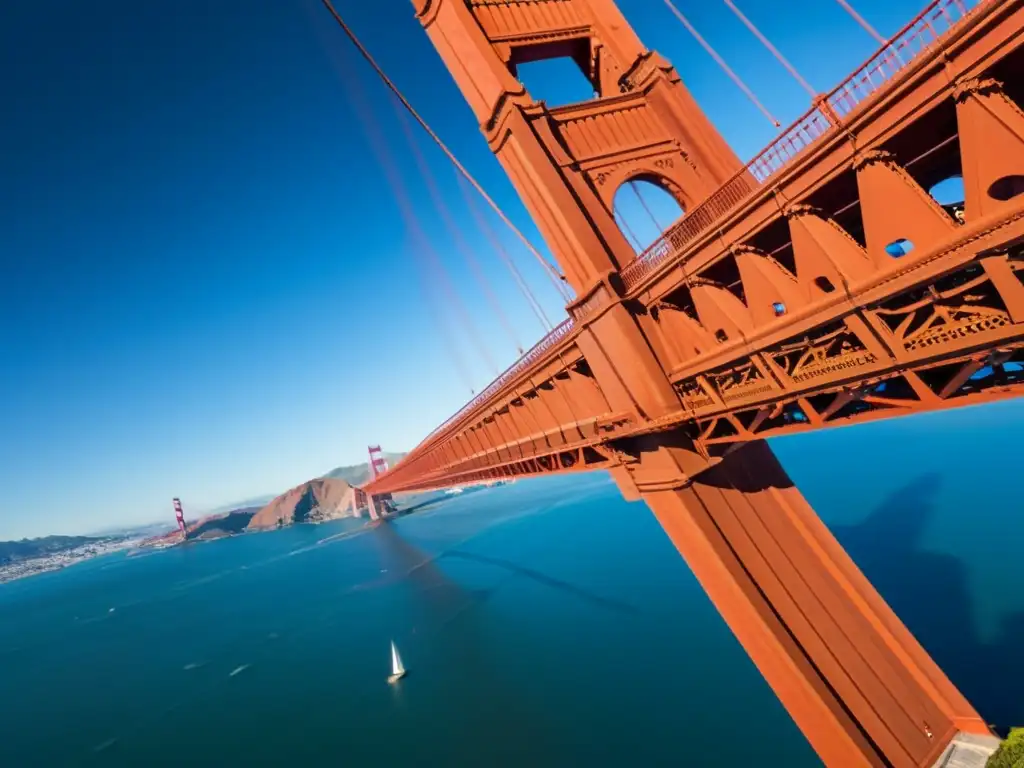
<point>105,745</point>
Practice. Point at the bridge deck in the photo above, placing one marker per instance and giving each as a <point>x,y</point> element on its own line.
<point>752,346</point>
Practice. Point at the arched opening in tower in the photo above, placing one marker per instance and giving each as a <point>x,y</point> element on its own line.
<point>644,209</point>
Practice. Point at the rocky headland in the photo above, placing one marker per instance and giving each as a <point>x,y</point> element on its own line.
<point>315,501</point>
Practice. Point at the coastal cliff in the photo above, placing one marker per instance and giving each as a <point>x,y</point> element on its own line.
<point>312,502</point>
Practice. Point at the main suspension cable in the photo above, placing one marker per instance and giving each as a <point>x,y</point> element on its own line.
<point>557,278</point>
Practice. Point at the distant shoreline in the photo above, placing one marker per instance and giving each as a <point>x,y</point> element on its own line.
<point>58,560</point>
<point>51,562</point>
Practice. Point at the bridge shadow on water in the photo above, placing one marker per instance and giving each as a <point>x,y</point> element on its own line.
<point>419,506</point>
<point>548,581</point>
<point>930,592</point>
<point>442,597</point>
<point>452,638</point>
<point>406,561</point>
<point>433,498</point>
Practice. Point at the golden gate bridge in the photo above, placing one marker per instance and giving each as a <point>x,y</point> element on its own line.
<point>818,285</point>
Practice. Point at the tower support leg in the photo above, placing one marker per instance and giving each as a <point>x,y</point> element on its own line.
<point>860,687</point>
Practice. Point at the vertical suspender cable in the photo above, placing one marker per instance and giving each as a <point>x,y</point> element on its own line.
<point>629,231</point>
<point>657,225</point>
<point>774,51</point>
<point>454,303</point>
<point>495,242</point>
<point>421,244</point>
<point>453,229</point>
<point>869,29</point>
<point>448,342</point>
<point>721,62</point>
<point>557,278</point>
<point>425,249</point>
<point>862,21</point>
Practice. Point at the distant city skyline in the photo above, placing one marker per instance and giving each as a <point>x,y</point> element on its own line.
<point>208,290</point>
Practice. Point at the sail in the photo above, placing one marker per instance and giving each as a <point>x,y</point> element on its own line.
<point>396,661</point>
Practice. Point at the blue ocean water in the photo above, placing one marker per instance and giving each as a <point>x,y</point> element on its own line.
<point>929,508</point>
<point>544,623</point>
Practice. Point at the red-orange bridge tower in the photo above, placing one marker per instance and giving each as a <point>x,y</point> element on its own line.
<point>786,299</point>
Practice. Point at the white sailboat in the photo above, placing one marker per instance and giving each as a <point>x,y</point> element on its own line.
<point>397,670</point>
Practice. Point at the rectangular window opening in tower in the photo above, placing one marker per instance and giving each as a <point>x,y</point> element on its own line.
<point>557,73</point>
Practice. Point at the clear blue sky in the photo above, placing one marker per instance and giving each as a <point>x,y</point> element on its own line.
<point>207,290</point>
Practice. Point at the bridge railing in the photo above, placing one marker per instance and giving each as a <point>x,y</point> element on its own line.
<point>558,333</point>
<point>918,36</point>
<point>776,156</point>
<point>921,34</point>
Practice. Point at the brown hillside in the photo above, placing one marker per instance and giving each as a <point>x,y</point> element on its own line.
<point>312,502</point>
